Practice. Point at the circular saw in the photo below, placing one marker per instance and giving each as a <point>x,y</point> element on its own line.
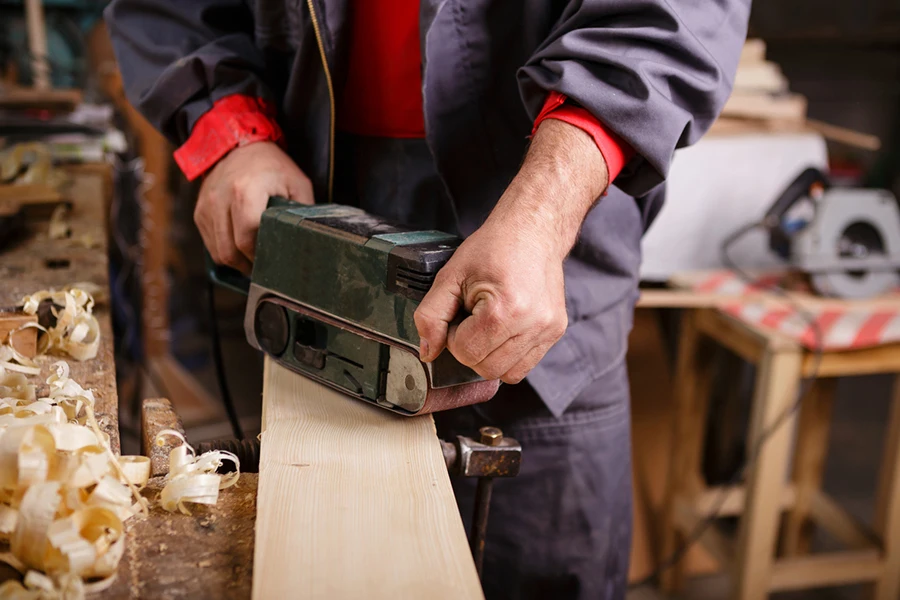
<point>848,240</point>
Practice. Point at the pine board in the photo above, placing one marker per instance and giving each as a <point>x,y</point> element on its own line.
<point>354,502</point>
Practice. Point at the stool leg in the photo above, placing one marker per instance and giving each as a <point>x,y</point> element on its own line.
<point>776,391</point>
<point>887,507</point>
<point>693,378</point>
<point>809,464</point>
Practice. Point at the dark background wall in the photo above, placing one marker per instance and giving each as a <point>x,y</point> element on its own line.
<point>844,56</point>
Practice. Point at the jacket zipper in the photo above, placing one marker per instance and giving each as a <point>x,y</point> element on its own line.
<point>331,102</point>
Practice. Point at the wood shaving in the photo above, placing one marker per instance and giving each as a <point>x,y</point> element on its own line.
<point>59,223</point>
<point>76,332</point>
<point>193,478</point>
<point>64,496</point>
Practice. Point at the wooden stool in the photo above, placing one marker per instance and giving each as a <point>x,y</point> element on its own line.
<point>871,555</point>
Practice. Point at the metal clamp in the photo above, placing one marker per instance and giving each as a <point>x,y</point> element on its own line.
<point>493,456</point>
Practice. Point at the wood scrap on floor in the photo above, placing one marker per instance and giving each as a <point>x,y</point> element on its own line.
<point>354,502</point>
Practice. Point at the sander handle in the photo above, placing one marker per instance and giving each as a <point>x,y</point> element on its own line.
<point>233,279</point>
<point>227,277</point>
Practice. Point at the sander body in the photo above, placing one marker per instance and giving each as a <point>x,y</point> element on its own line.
<point>332,297</point>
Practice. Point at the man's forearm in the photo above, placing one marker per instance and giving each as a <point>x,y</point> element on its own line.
<point>561,178</point>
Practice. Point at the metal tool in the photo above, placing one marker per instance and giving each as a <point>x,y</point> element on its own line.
<point>849,245</point>
<point>332,297</point>
<point>493,455</point>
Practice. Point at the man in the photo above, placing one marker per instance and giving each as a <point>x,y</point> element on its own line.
<point>422,112</point>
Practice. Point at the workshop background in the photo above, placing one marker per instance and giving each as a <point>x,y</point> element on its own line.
<point>819,87</point>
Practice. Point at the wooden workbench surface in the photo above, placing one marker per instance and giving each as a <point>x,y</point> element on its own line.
<point>208,555</point>
<point>35,262</point>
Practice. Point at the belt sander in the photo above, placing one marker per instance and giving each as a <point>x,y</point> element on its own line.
<point>332,297</point>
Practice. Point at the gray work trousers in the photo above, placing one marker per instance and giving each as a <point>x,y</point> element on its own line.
<point>561,529</point>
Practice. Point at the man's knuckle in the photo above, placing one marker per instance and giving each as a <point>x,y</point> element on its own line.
<point>463,351</point>
<point>237,187</point>
<point>230,256</point>
<point>519,306</point>
<point>471,349</point>
<point>558,326</point>
<point>512,378</point>
<point>488,372</point>
<point>246,244</point>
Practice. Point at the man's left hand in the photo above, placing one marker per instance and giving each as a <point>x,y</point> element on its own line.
<point>506,279</point>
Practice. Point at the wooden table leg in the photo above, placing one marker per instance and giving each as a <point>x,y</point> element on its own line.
<point>777,381</point>
<point>887,506</point>
<point>809,463</point>
<point>693,378</point>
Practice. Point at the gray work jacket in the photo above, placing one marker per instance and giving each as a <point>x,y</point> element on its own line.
<point>656,72</point>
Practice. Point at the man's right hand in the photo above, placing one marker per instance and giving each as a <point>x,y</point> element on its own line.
<point>234,195</point>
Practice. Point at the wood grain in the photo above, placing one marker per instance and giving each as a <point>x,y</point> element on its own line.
<point>353,502</point>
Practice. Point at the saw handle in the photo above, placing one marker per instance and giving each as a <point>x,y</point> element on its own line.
<point>801,188</point>
<point>233,279</point>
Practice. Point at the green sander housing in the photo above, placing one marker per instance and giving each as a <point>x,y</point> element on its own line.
<point>332,297</point>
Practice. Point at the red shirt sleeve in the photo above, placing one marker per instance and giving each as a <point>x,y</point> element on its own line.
<point>233,121</point>
<point>616,151</point>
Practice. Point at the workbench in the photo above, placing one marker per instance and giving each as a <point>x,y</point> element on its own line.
<point>207,555</point>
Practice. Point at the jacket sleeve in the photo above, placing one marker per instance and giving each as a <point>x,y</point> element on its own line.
<point>178,57</point>
<point>655,72</point>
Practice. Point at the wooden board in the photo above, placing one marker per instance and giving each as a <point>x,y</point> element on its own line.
<point>764,77</point>
<point>791,107</point>
<point>24,98</point>
<point>754,51</point>
<point>354,502</point>
<point>14,197</point>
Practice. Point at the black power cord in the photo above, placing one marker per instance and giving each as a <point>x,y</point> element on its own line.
<point>784,417</point>
<point>227,400</point>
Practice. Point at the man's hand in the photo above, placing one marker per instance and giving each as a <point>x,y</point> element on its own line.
<point>234,195</point>
<point>508,275</point>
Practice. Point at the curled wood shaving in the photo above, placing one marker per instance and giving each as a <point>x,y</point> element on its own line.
<point>64,496</point>
<point>77,331</point>
<point>13,361</point>
<point>38,586</point>
<point>193,478</point>
<point>59,223</point>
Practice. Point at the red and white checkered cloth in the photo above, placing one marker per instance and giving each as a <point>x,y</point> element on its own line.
<point>842,324</point>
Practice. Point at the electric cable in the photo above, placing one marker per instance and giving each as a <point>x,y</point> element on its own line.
<point>768,432</point>
<point>219,361</point>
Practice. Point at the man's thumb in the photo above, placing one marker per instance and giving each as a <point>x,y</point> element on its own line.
<point>433,317</point>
